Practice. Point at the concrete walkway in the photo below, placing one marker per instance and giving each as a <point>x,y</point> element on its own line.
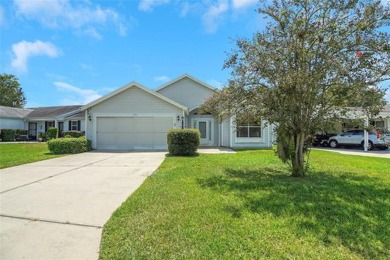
<point>215,150</point>
<point>55,209</point>
<point>374,153</point>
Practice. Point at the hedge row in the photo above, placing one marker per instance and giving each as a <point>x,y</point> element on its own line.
<point>13,134</point>
<point>69,145</point>
<point>183,141</point>
<point>73,133</point>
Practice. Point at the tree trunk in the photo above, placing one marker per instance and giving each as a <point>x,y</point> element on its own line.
<point>298,162</point>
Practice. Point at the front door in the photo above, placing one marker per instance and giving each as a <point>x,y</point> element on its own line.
<point>32,131</point>
<point>205,126</point>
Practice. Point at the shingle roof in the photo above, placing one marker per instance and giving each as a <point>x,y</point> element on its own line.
<point>51,112</point>
<point>12,112</point>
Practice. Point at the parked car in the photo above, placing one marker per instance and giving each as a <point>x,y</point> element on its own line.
<point>356,138</point>
<point>386,138</point>
<point>322,139</point>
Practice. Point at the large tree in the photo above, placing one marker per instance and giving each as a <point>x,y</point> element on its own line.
<point>313,59</point>
<point>12,94</point>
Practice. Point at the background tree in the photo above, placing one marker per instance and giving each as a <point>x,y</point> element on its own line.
<point>313,59</point>
<point>11,94</point>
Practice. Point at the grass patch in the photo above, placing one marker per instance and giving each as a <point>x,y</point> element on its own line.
<point>245,206</point>
<point>22,153</point>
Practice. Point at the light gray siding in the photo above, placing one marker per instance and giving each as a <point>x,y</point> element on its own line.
<point>131,102</point>
<point>187,92</point>
<point>225,133</point>
<point>12,123</point>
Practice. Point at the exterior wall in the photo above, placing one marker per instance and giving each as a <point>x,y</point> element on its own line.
<point>132,102</point>
<point>225,132</point>
<point>187,92</point>
<point>265,141</point>
<point>12,123</point>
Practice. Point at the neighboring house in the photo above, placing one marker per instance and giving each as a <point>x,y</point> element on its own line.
<point>135,117</point>
<point>40,119</point>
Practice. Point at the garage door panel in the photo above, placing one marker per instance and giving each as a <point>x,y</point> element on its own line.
<point>132,132</point>
<point>164,123</point>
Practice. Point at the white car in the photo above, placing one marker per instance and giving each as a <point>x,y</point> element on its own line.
<point>386,138</point>
<point>356,138</point>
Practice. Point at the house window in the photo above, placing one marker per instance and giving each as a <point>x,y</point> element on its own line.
<point>74,126</point>
<point>247,129</point>
<point>378,124</point>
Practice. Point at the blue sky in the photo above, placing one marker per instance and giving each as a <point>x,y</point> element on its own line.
<point>72,52</point>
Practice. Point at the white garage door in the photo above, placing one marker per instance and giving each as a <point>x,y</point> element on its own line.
<point>132,132</point>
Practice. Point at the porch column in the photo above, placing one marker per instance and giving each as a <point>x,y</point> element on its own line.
<point>365,134</point>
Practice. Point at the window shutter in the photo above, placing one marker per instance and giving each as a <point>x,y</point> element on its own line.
<point>69,125</point>
<point>78,125</point>
<point>45,126</point>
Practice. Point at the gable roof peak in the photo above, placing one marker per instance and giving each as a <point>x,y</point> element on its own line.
<point>128,86</point>
<point>185,75</point>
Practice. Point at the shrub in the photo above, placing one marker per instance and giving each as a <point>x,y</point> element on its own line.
<point>69,145</point>
<point>75,134</point>
<point>8,135</point>
<point>43,136</point>
<point>52,133</point>
<point>183,141</point>
<point>12,134</point>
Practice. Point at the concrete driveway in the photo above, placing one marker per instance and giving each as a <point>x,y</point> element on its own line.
<point>55,209</point>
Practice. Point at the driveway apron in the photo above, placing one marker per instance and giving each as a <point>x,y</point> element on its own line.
<point>55,209</point>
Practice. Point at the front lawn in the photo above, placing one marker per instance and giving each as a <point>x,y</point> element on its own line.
<point>21,153</point>
<point>244,205</point>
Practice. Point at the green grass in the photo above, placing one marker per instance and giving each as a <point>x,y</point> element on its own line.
<point>233,206</point>
<point>22,153</point>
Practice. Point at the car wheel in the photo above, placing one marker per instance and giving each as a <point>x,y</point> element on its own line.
<point>325,144</point>
<point>333,143</point>
<point>370,145</point>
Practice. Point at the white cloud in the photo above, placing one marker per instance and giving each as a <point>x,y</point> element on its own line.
<point>93,33</point>
<point>162,79</point>
<point>77,95</point>
<point>148,5</point>
<point>24,50</point>
<point>243,3</point>
<point>213,15</point>
<point>66,14</point>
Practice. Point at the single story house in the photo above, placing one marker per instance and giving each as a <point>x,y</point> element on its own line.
<point>136,117</point>
<point>39,119</point>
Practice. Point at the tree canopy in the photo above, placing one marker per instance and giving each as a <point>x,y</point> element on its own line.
<point>12,94</point>
<point>313,59</point>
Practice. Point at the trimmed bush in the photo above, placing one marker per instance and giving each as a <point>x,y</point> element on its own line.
<point>183,142</point>
<point>12,134</point>
<point>43,136</point>
<point>52,133</point>
<point>69,145</point>
<point>75,134</point>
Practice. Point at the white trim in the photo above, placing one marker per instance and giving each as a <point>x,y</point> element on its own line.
<point>127,115</point>
<point>231,131</point>
<point>128,86</point>
<point>85,123</point>
<point>222,134</point>
<point>186,76</point>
